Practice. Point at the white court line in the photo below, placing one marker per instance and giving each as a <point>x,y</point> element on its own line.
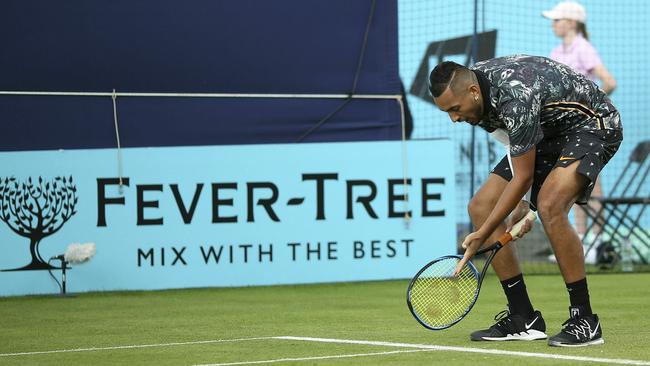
<point>317,357</point>
<point>132,346</point>
<point>417,348</point>
<point>472,350</point>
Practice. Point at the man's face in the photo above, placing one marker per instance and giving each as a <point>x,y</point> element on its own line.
<point>465,107</point>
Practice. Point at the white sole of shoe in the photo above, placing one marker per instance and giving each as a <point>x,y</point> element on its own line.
<point>531,335</point>
<point>590,343</point>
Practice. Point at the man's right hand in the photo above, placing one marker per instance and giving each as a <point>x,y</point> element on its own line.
<point>517,214</point>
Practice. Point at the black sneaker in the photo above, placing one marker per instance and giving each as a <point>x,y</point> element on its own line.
<point>513,327</point>
<point>579,330</point>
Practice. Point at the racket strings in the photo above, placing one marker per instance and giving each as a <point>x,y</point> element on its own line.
<point>439,298</point>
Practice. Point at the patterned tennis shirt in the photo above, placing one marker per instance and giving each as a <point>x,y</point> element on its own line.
<point>534,97</point>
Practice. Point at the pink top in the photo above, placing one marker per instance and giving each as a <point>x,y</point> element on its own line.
<point>580,55</point>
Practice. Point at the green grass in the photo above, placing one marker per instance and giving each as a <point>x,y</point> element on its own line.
<point>362,311</point>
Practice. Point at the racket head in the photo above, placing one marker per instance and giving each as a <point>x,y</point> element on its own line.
<point>439,300</point>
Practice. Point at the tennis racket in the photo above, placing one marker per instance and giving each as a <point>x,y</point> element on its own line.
<point>438,299</point>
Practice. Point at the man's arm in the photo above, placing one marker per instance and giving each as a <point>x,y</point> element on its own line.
<point>523,207</point>
<point>524,167</point>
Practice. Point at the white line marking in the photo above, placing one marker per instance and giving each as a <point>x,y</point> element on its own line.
<point>472,350</point>
<point>418,348</point>
<point>317,357</point>
<point>132,346</point>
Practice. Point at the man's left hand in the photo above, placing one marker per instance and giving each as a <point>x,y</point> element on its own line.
<point>471,244</point>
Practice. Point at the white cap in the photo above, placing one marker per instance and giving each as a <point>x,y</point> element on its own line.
<point>567,10</point>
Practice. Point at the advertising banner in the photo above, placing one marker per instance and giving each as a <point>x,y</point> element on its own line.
<point>225,215</point>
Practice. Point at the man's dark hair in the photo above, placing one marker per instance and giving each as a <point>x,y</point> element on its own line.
<point>448,72</point>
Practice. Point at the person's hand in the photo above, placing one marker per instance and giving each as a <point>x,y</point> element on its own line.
<point>517,214</point>
<point>471,244</point>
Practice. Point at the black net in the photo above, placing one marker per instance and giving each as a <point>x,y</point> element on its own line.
<point>431,31</point>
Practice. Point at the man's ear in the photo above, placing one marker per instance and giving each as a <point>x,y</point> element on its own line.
<point>475,91</point>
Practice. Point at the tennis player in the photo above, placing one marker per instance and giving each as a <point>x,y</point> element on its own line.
<point>562,130</point>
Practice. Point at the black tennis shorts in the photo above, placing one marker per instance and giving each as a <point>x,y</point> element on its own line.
<point>592,149</point>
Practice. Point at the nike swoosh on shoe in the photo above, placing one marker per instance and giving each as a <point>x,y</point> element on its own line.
<point>531,323</point>
<point>591,335</point>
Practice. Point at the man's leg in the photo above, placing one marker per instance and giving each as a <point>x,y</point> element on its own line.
<point>522,322</point>
<point>558,193</point>
<point>581,217</point>
<point>505,262</point>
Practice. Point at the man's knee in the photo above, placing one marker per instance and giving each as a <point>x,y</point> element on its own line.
<point>480,207</point>
<point>550,209</point>
<point>545,210</point>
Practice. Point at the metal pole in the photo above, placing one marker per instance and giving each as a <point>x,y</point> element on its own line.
<point>473,138</point>
<point>63,265</point>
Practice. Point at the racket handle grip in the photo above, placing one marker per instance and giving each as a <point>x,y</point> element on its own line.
<point>516,229</point>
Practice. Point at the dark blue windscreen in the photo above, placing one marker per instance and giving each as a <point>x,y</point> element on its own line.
<point>200,46</point>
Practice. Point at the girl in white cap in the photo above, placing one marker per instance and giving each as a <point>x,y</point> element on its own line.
<point>569,24</point>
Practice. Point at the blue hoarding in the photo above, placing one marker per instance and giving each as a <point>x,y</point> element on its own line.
<point>226,215</point>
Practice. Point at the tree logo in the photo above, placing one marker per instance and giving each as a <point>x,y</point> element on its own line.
<point>36,211</point>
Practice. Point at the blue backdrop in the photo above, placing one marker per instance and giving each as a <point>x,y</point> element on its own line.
<point>229,215</point>
<point>203,46</point>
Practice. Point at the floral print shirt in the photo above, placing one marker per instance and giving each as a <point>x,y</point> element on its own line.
<point>535,97</point>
